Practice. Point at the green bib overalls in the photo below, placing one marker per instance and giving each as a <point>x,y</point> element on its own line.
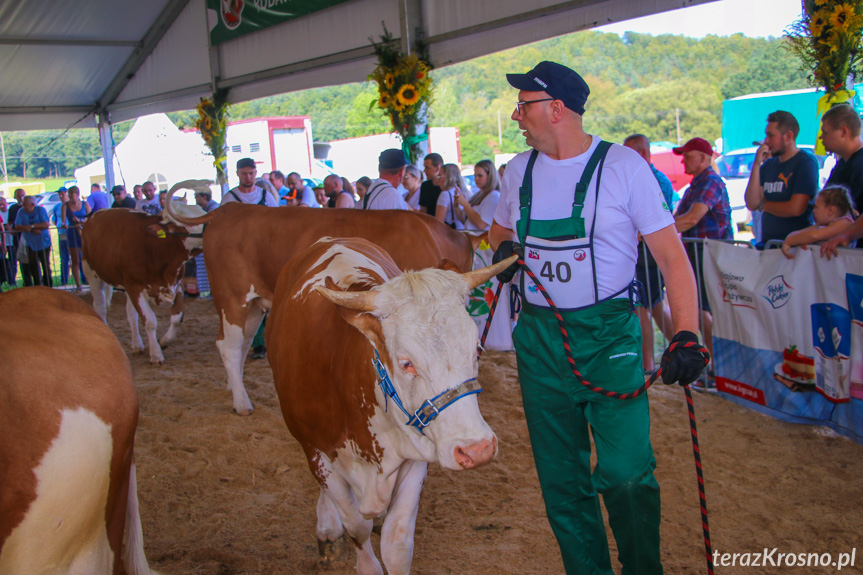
<point>606,345</point>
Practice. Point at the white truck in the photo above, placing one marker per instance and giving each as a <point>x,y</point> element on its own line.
<point>354,158</point>
<point>283,143</point>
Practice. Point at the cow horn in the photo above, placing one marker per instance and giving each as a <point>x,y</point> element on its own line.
<point>479,277</point>
<point>358,300</point>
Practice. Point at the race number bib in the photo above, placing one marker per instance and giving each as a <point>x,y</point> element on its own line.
<point>565,271</point>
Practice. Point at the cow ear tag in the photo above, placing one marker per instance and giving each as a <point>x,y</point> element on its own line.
<point>156,230</point>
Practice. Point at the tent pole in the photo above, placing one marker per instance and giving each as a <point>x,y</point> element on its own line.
<point>215,77</point>
<point>411,29</point>
<point>107,141</point>
<point>5,173</point>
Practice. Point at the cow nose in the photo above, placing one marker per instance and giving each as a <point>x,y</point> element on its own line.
<point>476,454</point>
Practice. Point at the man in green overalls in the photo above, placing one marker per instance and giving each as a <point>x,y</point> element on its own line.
<point>573,207</point>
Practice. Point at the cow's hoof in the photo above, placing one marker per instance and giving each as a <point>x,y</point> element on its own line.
<point>157,360</point>
<point>138,350</point>
<point>329,551</point>
<point>244,410</point>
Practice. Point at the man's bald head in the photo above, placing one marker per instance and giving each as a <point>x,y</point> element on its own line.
<point>332,185</point>
<point>640,144</point>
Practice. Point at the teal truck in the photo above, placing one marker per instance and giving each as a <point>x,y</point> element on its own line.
<point>744,117</point>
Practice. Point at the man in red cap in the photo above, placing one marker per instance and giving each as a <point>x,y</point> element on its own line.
<point>703,212</point>
<point>573,207</point>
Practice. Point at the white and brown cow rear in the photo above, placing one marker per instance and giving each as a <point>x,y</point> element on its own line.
<point>145,255</point>
<point>376,375</point>
<point>68,497</point>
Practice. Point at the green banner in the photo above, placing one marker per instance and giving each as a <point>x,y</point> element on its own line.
<point>236,18</point>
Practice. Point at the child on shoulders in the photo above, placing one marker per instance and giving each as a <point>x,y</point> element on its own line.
<point>833,213</point>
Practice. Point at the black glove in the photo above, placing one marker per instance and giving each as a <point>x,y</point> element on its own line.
<point>505,250</point>
<point>682,364</point>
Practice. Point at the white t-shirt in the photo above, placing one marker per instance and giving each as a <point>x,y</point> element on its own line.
<point>446,199</point>
<point>309,198</point>
<point>382,195</point>
<point>630,202</point>
<point>414,201</point>
<point>485,209</point>
<point>253,197</point>
<point>152,207</point>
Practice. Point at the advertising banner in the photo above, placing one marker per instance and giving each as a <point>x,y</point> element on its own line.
<point>236,18</point>
<point>788,334</point>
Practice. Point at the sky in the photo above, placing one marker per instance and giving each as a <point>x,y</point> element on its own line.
<point>754,18</point>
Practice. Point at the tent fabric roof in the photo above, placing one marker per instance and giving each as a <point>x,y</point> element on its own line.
<point>63,61</point>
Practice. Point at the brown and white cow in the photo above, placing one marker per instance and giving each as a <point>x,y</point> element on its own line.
<point>68,497</point>
<point>348,303</point>
<point>245,247</point>
<point>145,255</point>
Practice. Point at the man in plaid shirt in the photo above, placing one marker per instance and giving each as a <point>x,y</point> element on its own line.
<point>704,212</point>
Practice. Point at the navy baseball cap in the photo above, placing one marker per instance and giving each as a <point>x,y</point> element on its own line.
<point>391,159</point>
<point>558,81</point>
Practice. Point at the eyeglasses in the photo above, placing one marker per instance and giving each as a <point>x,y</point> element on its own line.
<point>519,106</point>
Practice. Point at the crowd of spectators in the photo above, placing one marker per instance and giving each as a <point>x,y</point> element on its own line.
<point>25,230</point>
<point>782,190</point>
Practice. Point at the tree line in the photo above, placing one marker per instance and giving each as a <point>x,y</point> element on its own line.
<point>661,86</point>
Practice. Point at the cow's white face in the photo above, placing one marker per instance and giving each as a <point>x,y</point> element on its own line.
<point>432,347</point>
<point>419,325</point>
<point>188,211</point>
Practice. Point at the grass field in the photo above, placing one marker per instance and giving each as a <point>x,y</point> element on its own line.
<point>51,184</point>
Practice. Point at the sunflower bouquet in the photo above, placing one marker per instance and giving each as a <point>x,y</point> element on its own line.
<point>405,91</point>
<point>827,39</point>
<point>212,123</point>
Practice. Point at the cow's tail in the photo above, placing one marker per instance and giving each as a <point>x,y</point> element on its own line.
<point>134,558</point>
<point>197,185</point>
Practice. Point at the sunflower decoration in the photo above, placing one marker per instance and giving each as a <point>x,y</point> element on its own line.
<point>405,90</point>
<point>827,38</point>
<point>213,124</point>
<point>408,95</point>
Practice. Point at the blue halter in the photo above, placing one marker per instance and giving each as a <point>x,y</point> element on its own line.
<point>430,408</point>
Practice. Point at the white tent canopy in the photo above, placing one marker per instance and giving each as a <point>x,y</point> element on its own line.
<point>156,150</point>
<point>65,62</point>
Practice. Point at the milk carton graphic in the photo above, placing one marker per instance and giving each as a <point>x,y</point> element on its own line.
<point>854,291</point>
<point>831,336</point>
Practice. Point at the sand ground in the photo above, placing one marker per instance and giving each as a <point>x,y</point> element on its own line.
<point>222,494</point>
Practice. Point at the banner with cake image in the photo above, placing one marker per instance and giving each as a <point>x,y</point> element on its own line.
<point>854,289</point>
<point>788,334</point>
